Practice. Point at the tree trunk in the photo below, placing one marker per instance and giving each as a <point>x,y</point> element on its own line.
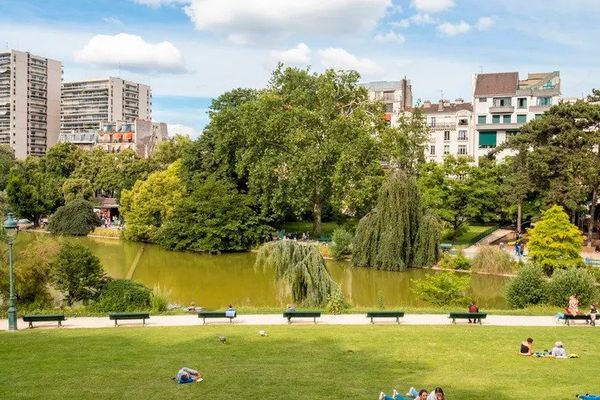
<point>317,215</point>
<point>592,217</point>
<point>519,215</point>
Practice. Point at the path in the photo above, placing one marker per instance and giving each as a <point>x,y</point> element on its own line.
<point>277,319</point>
<point>472,250</point>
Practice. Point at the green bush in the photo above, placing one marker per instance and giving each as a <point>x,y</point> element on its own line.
<point>571,281</point>
<point>123,295</point>
<point>493,260</point>
<point>527,288</point>
<point>459,261</point>
<point>441,289</point>
<point>76,218</point>
<point>160,299</point>
<point>342,243</point>
<point>335,302</point>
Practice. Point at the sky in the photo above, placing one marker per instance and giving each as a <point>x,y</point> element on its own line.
<point>190,51</point>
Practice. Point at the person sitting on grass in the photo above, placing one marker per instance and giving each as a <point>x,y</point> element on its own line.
<point>526,347</point>
<point>558,350</point>
<point>188,375</point>
<point>412,393</point>
<point>437,394</point>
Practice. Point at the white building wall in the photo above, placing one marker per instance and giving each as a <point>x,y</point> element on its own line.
<point>53,99</point>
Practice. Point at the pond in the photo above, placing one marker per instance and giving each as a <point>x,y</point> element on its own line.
<point>214,281</point>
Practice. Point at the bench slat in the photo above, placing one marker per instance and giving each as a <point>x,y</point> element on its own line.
<point>44,318</point>
<point>129,315</point>
<point>466,315</point>
<point>301,314</point>
<point>385,314</point>
<point>215,314</point>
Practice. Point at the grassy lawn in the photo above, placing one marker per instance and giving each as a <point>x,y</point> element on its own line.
<point>295,362</point>
<point>472,235</point>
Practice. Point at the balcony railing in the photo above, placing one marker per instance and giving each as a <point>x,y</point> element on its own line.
<point>502,109</point>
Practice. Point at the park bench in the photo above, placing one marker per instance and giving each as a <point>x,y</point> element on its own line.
<point>42,318</point>
<point>592,262</point>
<point>582,317</point>
<point>129,315</point>
<point>385,314</point>
<point>467,315</point>
<point>301,314</point>
<point>217,314</point>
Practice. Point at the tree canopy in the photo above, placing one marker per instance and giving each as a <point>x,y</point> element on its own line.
<point>76,218</point>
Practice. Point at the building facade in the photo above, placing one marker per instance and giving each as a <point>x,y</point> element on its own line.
<point>29,102</point>
<point>396,95</point>
<point>140,136</point>
<point>503,104</point>
<point>86,105</point>
<point>451,129</point>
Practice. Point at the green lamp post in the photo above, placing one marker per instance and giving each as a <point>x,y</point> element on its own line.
<point>11,229</point>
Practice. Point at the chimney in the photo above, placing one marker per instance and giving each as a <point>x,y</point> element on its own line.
<point>441,105</point>
<point>459,100</point>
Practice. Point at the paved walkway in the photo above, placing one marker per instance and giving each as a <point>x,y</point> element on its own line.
<point>277,319</point>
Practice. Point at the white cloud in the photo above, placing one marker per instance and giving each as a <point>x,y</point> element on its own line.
<point>179,129</point>
<point>390,37</point>
<point>417,19</point>
<point>160,3</point>
<point>485,23</point>
<point>112,20</point>
<point>131,52</point>
<point>267,18</point>
<point>299,55</point>
<point>432,6</point>
<point>450,29</point>
<point>337,58</point>
<point>239,38</point>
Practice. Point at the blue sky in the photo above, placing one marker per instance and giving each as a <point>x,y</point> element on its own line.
<point>192,50</point>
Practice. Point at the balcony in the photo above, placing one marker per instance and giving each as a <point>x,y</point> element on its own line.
<point>502,109</point>
<point>498,127</point>
<point>441,126</point>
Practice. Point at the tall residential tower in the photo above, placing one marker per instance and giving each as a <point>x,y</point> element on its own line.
<point>29,102</point>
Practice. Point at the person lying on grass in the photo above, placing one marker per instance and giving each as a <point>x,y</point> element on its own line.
<point>188,375</point>
<point>437,394</point>
<point>526,347</point>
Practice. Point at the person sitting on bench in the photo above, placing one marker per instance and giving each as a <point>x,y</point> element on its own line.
<point>188,375</point>
<point>473,309</point>
<point>230,312</point>
<point>573,308</point>
<point>593,312</point>
<point>526,347</point>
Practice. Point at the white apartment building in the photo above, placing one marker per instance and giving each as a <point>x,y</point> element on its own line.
<point>503,104</point>
<point>396,95</point>
<point>452,130</point>
<point>29,102</point>
<point>85,105</point>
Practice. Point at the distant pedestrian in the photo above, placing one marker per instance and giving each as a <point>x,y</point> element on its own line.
<point>522,249</point>
<point>517,249</point>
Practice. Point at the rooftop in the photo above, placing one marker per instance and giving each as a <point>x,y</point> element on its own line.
<point>497,84</point>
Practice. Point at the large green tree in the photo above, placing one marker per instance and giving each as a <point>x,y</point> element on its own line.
<point>76,218</point>
<point>403,146</point>
<point>7,160</point>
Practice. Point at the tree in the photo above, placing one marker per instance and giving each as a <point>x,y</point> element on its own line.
<point>554,242</point>
<point>403,146</point>
<point>441,289</point>
<point>169,151</point>
<point>77,188</point>
<point>77,273</point>
<point>7,160</point>
<point>568,282</point>
<point>459,192</point>
<point>150,202</point>
<point>388,237</point>
<point>527,288</point>
<point>213,217</point>
<point>301,268</point>
<point>62,159</point>
<point>76,218</point>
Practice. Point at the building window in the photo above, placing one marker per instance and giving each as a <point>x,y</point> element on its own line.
<point>446,149</point>
<point>462,149</point>
<point>521,118</point>
<point>506,119</point>
<point>463,121</point>
<point>482,99</point>
<point>537,116</point>
<point>487,140</point>
<point>522,102</point>
<point>544,101</point>
<point>432,150</point>
<point>548,85</point>
<point>389,107</point>
<point>495,119</point>
<point>462,135</point>
<point>388,96</point>
<point>446,135</point>
<point>432,121</point>
<point>502,101</point>
<point>481,119</point>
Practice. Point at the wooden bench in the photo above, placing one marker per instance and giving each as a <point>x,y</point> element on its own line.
<point>583,317</point>
<point>40,318</point>
<point>301,314</point>
<point>216,314</point>
<point>467,315</point>
<point>129,315</point>
<point>385,314</point>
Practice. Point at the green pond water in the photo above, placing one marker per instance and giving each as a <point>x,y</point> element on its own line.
<point>214,281</point>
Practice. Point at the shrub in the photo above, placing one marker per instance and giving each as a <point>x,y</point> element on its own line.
<point>77,273</point>
<point>527,288</point>
<point>124,295</point>
<point>459,261</point>
<point>493,260</point>
<point>335,302</point>
<point>441,289</point>
<point>342,243</point>
<point>160,299</point>
<point>76,218</point>
<point>572,281</point>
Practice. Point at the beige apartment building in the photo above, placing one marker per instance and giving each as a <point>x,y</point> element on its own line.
<point>29,102</point>
<point>86,105</point>
<point>395,95</point>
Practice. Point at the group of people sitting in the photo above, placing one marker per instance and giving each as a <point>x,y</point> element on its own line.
<point>557,351</point>
<point>423,394</point>
<point>573,309</point>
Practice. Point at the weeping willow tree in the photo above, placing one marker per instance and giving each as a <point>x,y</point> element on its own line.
<point>301,268</point>
<point>396,235</point>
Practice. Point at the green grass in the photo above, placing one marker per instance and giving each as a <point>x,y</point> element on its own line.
<point>472,235</point>
<point>295,362</point>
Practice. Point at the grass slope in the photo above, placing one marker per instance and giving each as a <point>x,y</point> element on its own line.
<point>295,362</point>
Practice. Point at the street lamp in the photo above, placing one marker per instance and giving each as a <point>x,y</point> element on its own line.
<point>11,228</point>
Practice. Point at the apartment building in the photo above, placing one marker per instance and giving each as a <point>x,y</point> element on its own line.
<point>86,105</point>
<point>29,102</point>
<point>142,136</point>
<point>396,95</point>
<point>503,104</point>
<point>451,129</point>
